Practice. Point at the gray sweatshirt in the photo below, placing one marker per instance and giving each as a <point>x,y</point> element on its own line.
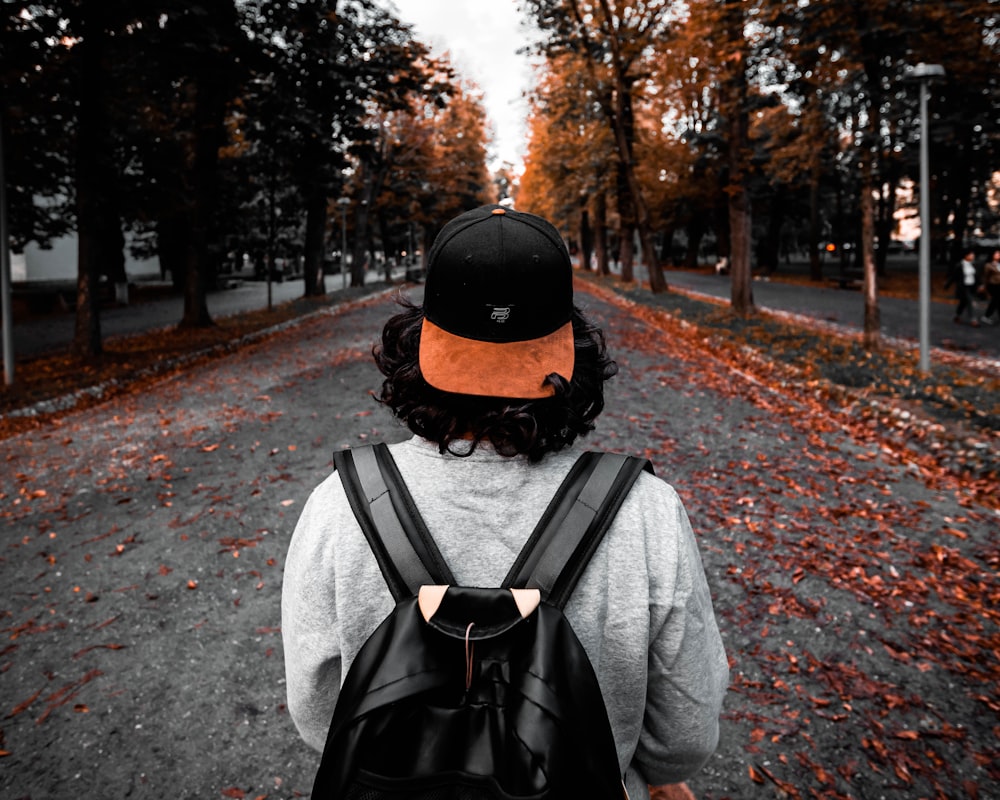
<point>642,609</point>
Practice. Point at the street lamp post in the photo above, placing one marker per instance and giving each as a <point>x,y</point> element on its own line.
<point>925,73</point>
<point>5,277</point>
<point>343,202</point>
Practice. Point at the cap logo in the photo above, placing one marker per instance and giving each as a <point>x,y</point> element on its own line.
<point>500,314</point>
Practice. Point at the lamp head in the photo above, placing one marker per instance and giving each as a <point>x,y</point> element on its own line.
<point>925,72</point>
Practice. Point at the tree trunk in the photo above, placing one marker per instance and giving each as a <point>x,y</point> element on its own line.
<point>695,232</point>
<point>626,247</point>
<point>601,233</point>
<point>586,235</point>
<point>113,241</point>
<point>770,245</point>
<point>622,122</point>
<point>87,332</point>
<point>740,230</point>
<point>359,252</point>
<point>373,177</point>
<point>209,110</point>
<point>315,243</point>
<point>626,224</point>
<point>741,288</point>
<point>216,77</point>
<point>94,165</point>
<point>388,248</point>
<point>871,322</point>
<point>815,260</point>
<point>657,283</point>
<point>196,314</point>
<point>666,247</point>
<point>869,147</point>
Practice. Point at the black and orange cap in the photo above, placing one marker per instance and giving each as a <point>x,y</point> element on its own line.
<point>498,306</point>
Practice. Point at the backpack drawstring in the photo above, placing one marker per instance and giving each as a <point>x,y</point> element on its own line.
<point>469,650</point>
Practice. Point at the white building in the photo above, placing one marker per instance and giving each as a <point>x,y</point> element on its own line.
<point>58,263</point>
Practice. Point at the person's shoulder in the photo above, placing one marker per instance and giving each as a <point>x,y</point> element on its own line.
<point>326,499</point>
<point>330,486</point>
<point>655,490</point>
<point>651,478</point>
<point>652,504</point>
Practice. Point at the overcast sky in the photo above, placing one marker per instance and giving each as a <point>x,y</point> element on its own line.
<point>482,37</point>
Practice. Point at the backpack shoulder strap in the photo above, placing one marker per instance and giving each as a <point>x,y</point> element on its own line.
<point>396,533</point>
<point>576,519</point>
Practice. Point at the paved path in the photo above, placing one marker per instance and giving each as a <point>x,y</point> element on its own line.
<point>144,541</point>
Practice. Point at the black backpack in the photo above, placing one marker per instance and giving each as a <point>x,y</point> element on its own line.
<point>467,693</point>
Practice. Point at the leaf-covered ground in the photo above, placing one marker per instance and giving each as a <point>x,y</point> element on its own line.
<point>947,418</point>
<point>852,552</point>
<point>854,565</point>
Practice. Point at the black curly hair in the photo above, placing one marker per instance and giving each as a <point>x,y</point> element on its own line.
<point>511,427</point>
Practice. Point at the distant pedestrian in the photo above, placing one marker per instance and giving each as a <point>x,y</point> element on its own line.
<point>991,283</point>
<point>964,278</point>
